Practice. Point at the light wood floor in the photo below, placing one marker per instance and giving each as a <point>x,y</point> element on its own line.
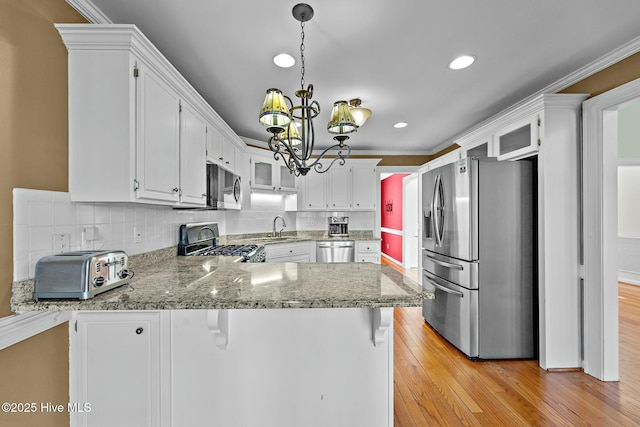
<point>436,385</point>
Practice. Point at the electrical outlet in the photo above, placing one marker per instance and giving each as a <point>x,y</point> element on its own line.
<point>137,235</point>
<point>61,243</point>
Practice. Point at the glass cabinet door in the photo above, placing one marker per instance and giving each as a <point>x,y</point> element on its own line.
<point>262,174</point>
<point>287,179</point>
<point>518,140</point>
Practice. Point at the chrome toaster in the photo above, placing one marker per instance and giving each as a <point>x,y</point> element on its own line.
<point>80,274</point>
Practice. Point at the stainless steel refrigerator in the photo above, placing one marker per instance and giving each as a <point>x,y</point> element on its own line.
<point>479,256</point>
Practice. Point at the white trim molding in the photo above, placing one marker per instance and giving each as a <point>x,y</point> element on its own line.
<point>600,209</point>
<point>90,11</point>
<point>19,327</point>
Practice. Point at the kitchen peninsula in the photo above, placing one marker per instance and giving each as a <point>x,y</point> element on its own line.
<point>235,344</point>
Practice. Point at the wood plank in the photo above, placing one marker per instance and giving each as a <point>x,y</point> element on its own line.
<point>435,384</point>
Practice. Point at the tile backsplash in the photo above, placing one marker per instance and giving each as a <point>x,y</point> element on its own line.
<point>39,216</point>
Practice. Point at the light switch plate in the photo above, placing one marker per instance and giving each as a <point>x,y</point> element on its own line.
<point>61,243</point>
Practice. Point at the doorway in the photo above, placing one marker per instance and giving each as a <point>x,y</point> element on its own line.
<point>600,234</point>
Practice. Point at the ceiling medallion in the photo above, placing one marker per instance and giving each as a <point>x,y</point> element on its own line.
<point>292,126</point>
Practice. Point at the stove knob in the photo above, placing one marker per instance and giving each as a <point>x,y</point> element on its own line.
<point>123,274</point>
<point>98,281</point>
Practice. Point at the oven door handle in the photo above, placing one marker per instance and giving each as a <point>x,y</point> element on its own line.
<point>443,288</point>
<point>445,264</point>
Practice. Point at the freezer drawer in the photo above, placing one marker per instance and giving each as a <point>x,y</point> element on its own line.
<point>453,313</point>
<point>463,273</point>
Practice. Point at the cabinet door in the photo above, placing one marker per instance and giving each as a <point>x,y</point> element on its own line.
<point>364,188</point>
<point>262,174</point>
<point>368,251</point>
<point>287,179</point>
<point>315,196</point>
<point>228,155</point>
<point>518,140</point>
<point>193,174</point>
<point>158,138</point>
<point>481,148</point>
<point>340,187</point>
<point>117,369</point>
<point>215,140</point>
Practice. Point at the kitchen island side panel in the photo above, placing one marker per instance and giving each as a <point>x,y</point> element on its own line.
<point>311,367</point>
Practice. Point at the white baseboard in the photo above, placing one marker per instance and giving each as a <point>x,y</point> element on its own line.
<point>630,277</point>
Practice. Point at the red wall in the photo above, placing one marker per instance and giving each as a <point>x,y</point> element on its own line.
<point>391,214</point>
<point>392,245</point>
<point>391,198</point>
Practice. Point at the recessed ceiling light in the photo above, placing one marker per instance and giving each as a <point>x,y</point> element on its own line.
<point>462,62</point>
<point>284,60</point>
<point>400,125</point>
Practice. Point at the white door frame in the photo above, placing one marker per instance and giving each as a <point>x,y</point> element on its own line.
<point>600,215</point>
<point>411,244</point>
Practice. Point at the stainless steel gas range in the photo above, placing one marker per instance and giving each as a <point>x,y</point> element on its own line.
<point>201,239</point>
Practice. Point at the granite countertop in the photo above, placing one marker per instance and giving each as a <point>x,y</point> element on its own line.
<point>176,283</point>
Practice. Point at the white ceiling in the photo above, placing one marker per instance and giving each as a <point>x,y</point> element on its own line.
<point>394,55</point>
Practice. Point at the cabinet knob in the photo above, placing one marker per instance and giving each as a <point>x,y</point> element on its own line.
<point>139,330</point>
<point>220,158</point>
<point>176,189</point>
<point>204,194</point>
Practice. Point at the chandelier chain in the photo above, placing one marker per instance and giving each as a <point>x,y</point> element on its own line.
<point>302,55</point>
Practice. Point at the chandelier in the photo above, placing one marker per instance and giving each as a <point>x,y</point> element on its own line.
<point>292,126</point>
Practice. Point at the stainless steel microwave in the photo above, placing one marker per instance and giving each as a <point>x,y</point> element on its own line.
<point>224,189</point>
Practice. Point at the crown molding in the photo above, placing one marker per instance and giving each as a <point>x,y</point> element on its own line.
<point>89,10</point>
<point>605,61</point>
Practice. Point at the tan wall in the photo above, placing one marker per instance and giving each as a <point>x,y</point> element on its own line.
<point>33,154</point>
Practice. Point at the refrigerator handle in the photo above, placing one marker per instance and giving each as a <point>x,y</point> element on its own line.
<point>434,210</point>
<point>445,264</point>
<point>444,288</point>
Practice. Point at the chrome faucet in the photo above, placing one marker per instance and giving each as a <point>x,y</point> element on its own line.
<point>279,233</point>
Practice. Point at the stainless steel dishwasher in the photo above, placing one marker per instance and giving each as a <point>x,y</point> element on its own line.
<point>335,251</point>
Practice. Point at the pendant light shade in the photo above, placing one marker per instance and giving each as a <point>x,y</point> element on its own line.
<point>274,113</point>
<point>291,136</point>
<point>342,121</point>
<point>360,114</point>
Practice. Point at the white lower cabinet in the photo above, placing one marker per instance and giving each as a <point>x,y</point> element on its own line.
<point>291,252</point>
<point>118,369</point>
<point>368,251</point>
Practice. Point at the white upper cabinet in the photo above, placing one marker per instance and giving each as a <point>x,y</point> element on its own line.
<point>519,139</point>
<point>138,131</point>
<point>269,174</point>
<point>229,154</point>
<point>481,148</point>
<point>215,140</point>
<point>340,187</point>
<point>158,147</point>
<point>193,168</point>
<point>314,187</point>
<point>353,186</point>
<point>364,187</point>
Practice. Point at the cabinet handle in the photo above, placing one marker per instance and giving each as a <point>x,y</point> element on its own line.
<point>176,189</point>
<point>204,194</point>
<point>139,331</point>
<point>220,158</point>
